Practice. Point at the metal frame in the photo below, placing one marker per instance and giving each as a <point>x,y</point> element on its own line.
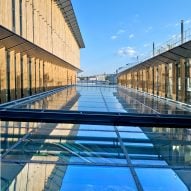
<point>118,149</point>
<point>63,163</point>
<point>97,118</point>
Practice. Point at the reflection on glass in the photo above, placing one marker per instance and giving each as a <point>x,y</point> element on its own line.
<point>160,179</point>
<point>32,177</point>
<point>79,157</point>
<point>97,178</point>
<point>137,102</point>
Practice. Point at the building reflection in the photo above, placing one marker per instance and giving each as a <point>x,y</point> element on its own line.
<point>137,102</point>
<point>172,144</point>
<point>176,145</point>
<point>36,176</point>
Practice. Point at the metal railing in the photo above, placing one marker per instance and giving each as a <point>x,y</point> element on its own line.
<point>123,68</point>
<point>175,41</point>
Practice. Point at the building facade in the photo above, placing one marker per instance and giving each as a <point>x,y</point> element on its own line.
<point>40,45</point>
<point>166,75</point>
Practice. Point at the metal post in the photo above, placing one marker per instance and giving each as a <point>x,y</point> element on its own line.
<point>182,31</point>
<point>153,49</point>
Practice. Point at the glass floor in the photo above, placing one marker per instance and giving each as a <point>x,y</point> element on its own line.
<point>49,156</point>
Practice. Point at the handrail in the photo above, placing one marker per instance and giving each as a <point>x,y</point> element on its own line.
<point>161,48</point>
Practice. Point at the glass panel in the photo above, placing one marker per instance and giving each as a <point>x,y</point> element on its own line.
<point>150,162</point>
<point>94,151</point>
<point>97,133</point>
<point>106,99</point>
<point>31,176</point>
<point>62,142</point>
<point>160,179</point>
<point>97,178</point>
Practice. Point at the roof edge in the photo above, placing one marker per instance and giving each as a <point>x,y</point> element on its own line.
<point>70,18</point>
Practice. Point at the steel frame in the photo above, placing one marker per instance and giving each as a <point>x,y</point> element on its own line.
<point>97,118</point>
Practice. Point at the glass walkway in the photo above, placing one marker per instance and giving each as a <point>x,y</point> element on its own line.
<point>46,155</point>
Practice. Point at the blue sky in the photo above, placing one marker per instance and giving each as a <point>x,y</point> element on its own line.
<point>115,32</point>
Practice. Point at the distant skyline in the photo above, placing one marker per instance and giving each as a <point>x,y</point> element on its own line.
<point>115,32</point>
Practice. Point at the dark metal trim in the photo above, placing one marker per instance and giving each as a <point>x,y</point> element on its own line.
<point>63,163</point>
<point>162,55</point>
<point>185,48</point>
<point>98,118</point>
<point>132,169</point>
<point>177,54</point>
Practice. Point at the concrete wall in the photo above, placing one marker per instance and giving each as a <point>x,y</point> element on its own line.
<point>42,23</point>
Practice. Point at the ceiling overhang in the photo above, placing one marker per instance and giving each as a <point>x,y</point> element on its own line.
<point>14,42</point>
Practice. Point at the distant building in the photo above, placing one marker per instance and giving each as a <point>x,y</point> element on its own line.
<point>112,78</point>
<point>100,78</point>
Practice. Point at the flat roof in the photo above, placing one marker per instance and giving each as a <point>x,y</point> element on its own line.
<point>69,15</point>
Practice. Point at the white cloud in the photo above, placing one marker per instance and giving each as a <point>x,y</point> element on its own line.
<point>170,25</point>
<point>131,36</point>
<point>187,21</point>
<point>120,31</point>
<point>118,34</point>
<point>126,51</point>
<point>146,45</point>
<point>177,24</point>
<point>114,37</point>
<point>148,29</point>
<point>136,18</point>
<point>174,36</point>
